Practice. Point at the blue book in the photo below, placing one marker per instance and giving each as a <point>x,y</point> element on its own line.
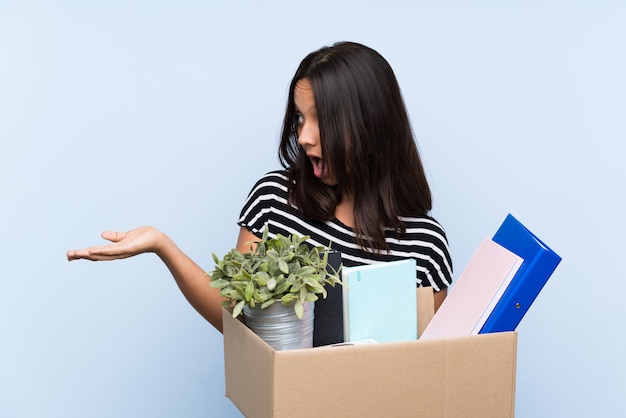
<point>379,302</point>
<point>538,265</point>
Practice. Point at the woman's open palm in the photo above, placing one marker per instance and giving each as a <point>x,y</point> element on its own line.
<point>123,245</point>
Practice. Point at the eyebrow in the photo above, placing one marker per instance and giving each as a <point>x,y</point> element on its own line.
<point>298,110</point>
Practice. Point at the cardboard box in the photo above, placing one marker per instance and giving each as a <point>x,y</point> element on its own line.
<point>460,377</point>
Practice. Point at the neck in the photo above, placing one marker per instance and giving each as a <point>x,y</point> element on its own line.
<point>344,212</point>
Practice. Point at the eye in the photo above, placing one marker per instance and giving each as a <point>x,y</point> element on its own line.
<point>298,119</point>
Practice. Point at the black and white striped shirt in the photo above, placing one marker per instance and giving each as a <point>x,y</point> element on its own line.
<point>424,239</point>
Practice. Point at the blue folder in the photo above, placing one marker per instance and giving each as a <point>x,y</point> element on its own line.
<point>538,265</point>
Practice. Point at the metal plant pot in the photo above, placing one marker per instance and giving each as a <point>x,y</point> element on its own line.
<point>279,326</point>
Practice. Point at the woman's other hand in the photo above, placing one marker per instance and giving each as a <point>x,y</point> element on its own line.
<point>123,245</point>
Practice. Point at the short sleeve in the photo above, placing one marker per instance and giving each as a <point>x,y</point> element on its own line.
<point>427,242</point>
<point>268,195</point>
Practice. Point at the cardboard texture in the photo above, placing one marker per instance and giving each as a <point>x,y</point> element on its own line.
<point>425,308</point>
<point>470,376</point>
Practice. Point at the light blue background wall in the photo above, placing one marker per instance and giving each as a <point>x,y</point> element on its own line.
<point>164,113</point>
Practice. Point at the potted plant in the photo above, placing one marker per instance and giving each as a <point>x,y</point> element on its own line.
<point>279,279</point>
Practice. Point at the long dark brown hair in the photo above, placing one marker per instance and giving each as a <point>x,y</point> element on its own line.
<point>366,139</point>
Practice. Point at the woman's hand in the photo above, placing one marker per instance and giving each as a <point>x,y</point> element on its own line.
<point>124,244</point>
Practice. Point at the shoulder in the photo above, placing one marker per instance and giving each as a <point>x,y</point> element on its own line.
<point>268,201</point>
<point>424,224</point>
<point>274,183</point>
<point>422,232</point>
<point>429,233</point>
<point>425,240</point>
<point>276,178</point>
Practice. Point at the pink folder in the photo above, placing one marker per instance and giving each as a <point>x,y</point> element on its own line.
<point>476,292</point>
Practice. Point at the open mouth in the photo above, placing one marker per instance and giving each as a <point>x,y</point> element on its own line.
<point>318,169</point>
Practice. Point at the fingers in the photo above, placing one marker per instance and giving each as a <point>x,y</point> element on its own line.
<point>113,236</point>
<point>123,245</point>
<point>71,255</point>
<point>94,254</point>
<point>80,254</point>
<point>99,252</point>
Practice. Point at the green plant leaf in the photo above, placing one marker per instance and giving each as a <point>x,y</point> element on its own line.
<point>238,308</point>
<point>313,282</point>
<point>237,256</point>
<point>249,291</point>
<point>308,270</point>
<point>241,277</point>
<point>282,266</point>
<point>268,303</point>
<point>262,295</point>
<point>233,294</point>
<point>282,287</point>
<point>288,298</point>
<point>219,283</point>
<point>229,270</point>
<point>261,278</point>
<point>299,309</point>
<point>311,297</point>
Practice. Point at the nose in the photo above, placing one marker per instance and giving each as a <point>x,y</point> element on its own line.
<point>308,134</point>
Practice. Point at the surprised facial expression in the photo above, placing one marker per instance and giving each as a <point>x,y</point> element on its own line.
<point>309,131</point>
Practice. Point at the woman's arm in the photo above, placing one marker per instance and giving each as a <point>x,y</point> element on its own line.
<point>192,280</point>
<point>439,297</point>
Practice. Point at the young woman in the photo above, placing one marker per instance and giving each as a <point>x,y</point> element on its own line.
<point>352,177</point>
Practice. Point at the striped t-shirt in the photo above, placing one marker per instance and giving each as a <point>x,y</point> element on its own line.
<point>424,239</point>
